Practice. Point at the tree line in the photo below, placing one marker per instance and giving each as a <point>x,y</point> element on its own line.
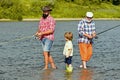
<point>114,2</point>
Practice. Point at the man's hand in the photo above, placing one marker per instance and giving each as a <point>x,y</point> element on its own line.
<point>88,36</point>
<point>38,34</point>
<point>93,35</point>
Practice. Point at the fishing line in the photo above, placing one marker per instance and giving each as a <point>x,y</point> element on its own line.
<point>18,39</point>
<point>106,31</point>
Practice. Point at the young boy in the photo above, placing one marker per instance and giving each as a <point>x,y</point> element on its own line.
<point>68,51</point>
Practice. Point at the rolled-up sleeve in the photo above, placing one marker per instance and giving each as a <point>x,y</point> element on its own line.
<point>94,29</point>
<point>81,28</point>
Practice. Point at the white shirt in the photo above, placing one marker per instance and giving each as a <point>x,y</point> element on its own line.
<point>67,47</point>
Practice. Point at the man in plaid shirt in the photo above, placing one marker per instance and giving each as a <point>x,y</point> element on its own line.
<point>45,33</point>
<point>86,31</point>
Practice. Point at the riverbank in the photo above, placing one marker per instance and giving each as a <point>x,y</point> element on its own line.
<point>58,19</point>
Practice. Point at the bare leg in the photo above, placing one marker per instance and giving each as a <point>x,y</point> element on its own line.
<point>45,59</point>
<point>84,64</point>
<point>51,61</point>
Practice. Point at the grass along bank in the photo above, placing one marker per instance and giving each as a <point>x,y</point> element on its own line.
<point>70,10</point>
<point>31,9</point>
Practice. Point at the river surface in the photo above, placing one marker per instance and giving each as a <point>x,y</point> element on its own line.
<point>21,54</point>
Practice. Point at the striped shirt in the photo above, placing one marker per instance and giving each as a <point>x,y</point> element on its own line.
<point>47,24</point>
<point>85,28</point>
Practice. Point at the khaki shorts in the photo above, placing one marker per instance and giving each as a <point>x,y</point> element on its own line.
<point>85,51</point>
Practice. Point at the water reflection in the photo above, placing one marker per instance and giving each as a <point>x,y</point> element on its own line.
<point>68,76</point>
<point>47,75</point>
<point>85,74</point>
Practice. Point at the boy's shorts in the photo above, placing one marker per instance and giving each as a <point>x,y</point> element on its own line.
<point>46,44</point>
<point>68,60</point>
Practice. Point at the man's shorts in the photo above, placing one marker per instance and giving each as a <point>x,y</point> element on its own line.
<point>68,60</point>
<point>46,44</point>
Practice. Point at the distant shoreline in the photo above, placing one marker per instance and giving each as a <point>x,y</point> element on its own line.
<point>59,19</point>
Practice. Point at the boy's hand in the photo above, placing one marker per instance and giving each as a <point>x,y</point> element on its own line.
<point>67,56</point>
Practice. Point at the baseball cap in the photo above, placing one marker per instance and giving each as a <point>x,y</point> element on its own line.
<point>89,14</point>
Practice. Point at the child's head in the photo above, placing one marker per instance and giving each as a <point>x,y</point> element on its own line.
<point>68,35</point>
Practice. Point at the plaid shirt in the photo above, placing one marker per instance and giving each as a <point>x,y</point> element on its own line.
<point>84,27</point>
<point>47,24</point>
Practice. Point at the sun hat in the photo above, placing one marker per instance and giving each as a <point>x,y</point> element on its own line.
<point>89,14</point>
<point>46,8</point>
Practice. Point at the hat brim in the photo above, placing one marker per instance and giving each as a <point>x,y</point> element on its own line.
<point>46,10</point>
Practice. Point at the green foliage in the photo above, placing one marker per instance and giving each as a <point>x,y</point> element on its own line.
<point>19,9</point>
<point>11,9</point>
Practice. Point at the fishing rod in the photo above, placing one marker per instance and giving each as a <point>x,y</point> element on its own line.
<point>106,31</point>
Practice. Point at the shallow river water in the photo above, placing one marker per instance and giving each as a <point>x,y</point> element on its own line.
<point>21,54</point>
